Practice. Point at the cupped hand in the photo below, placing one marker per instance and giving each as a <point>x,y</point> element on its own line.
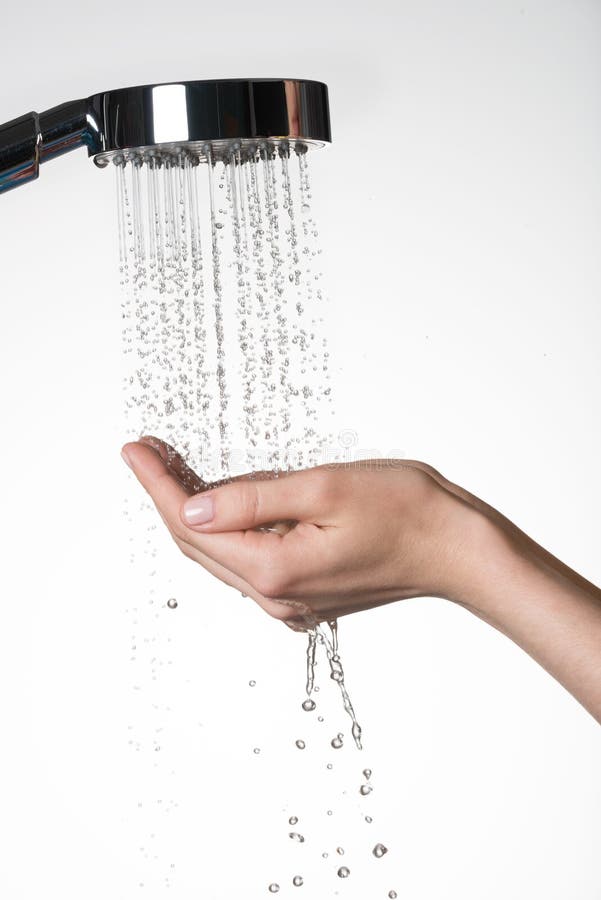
<point>316,544</point>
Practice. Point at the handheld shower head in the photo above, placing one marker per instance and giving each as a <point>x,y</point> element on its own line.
<point>204,118</point>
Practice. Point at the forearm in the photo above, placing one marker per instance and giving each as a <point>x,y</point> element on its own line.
<point>547,609</point>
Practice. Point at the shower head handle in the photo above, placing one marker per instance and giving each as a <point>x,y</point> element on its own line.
<point>170,115</point>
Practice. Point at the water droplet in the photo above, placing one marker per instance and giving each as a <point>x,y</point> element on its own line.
<point>365,789</point>
<point>368,819</point>
<point>367,773</point>
<point>343,872</point>
<point>273,888</point>
<point>297,881</point>
<point>329,766</point>
<point>292,820</point>
<point>329,812</point>
<point>295,836</point>
<point>379,851</point>
<point>308,705</point>
<point>324,855</point>
<point>392,895</point>
<point>320,718</point>
<point>252,683</point>
<point>340,851</point>
<point>300,745</point>
<point>337,742</point>
<point>172,603</point>
<point>257,750</point>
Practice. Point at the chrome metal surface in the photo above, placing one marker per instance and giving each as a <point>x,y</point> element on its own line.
<point>199,111</point>
<point>168,116</point>
<point>19,151</point>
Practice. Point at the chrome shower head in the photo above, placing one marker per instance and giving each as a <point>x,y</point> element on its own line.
<point>207,119</point>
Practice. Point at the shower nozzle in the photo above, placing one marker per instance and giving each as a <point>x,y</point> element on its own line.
<point>203,118</point>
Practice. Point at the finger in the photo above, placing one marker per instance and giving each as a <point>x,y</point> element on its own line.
<point>176,464</point>
<point>250,503</point>
<point>155,477</point>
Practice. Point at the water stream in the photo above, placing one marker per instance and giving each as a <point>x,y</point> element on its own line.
<point>219,259</point>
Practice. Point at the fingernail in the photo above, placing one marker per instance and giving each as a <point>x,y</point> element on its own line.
<point>199,510</point>
<point>125,459</point>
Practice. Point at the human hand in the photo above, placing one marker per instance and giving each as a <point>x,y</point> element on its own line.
<point>350,537</point>
<point>354,536</point>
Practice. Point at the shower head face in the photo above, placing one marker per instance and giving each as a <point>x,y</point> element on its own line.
<point>207,119</point>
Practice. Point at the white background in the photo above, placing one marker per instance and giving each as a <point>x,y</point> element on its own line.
<point>460,210</point>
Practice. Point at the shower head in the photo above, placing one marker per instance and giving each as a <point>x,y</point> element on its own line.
<point>202,119</point>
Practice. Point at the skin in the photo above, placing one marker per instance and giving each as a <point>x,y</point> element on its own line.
<point>314,545</point>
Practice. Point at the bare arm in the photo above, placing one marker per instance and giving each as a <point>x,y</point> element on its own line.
<point>542,605</point>
<point>373,533</point>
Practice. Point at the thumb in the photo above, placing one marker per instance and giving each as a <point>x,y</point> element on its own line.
<point>250,503</point>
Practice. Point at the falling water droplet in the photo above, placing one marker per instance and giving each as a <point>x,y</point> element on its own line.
<point>252,683</point>
<point>365,789</point>
<point>367,773</point>
<point>297,881</point>
<point>172,603</point>
<point>273,888</point>
<point>379,851</point>
<point>392,895</point>
<point>257,750</point>
<point>300,745</point>
<point>337,742</point>
<point>292,820</point>
<point>295,836</point>
<point>308,705</point>
<point>368,819</point>
<point>340,851</point>
<point>343,872</point>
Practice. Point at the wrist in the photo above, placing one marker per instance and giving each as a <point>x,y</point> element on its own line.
<point>484,558</point>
